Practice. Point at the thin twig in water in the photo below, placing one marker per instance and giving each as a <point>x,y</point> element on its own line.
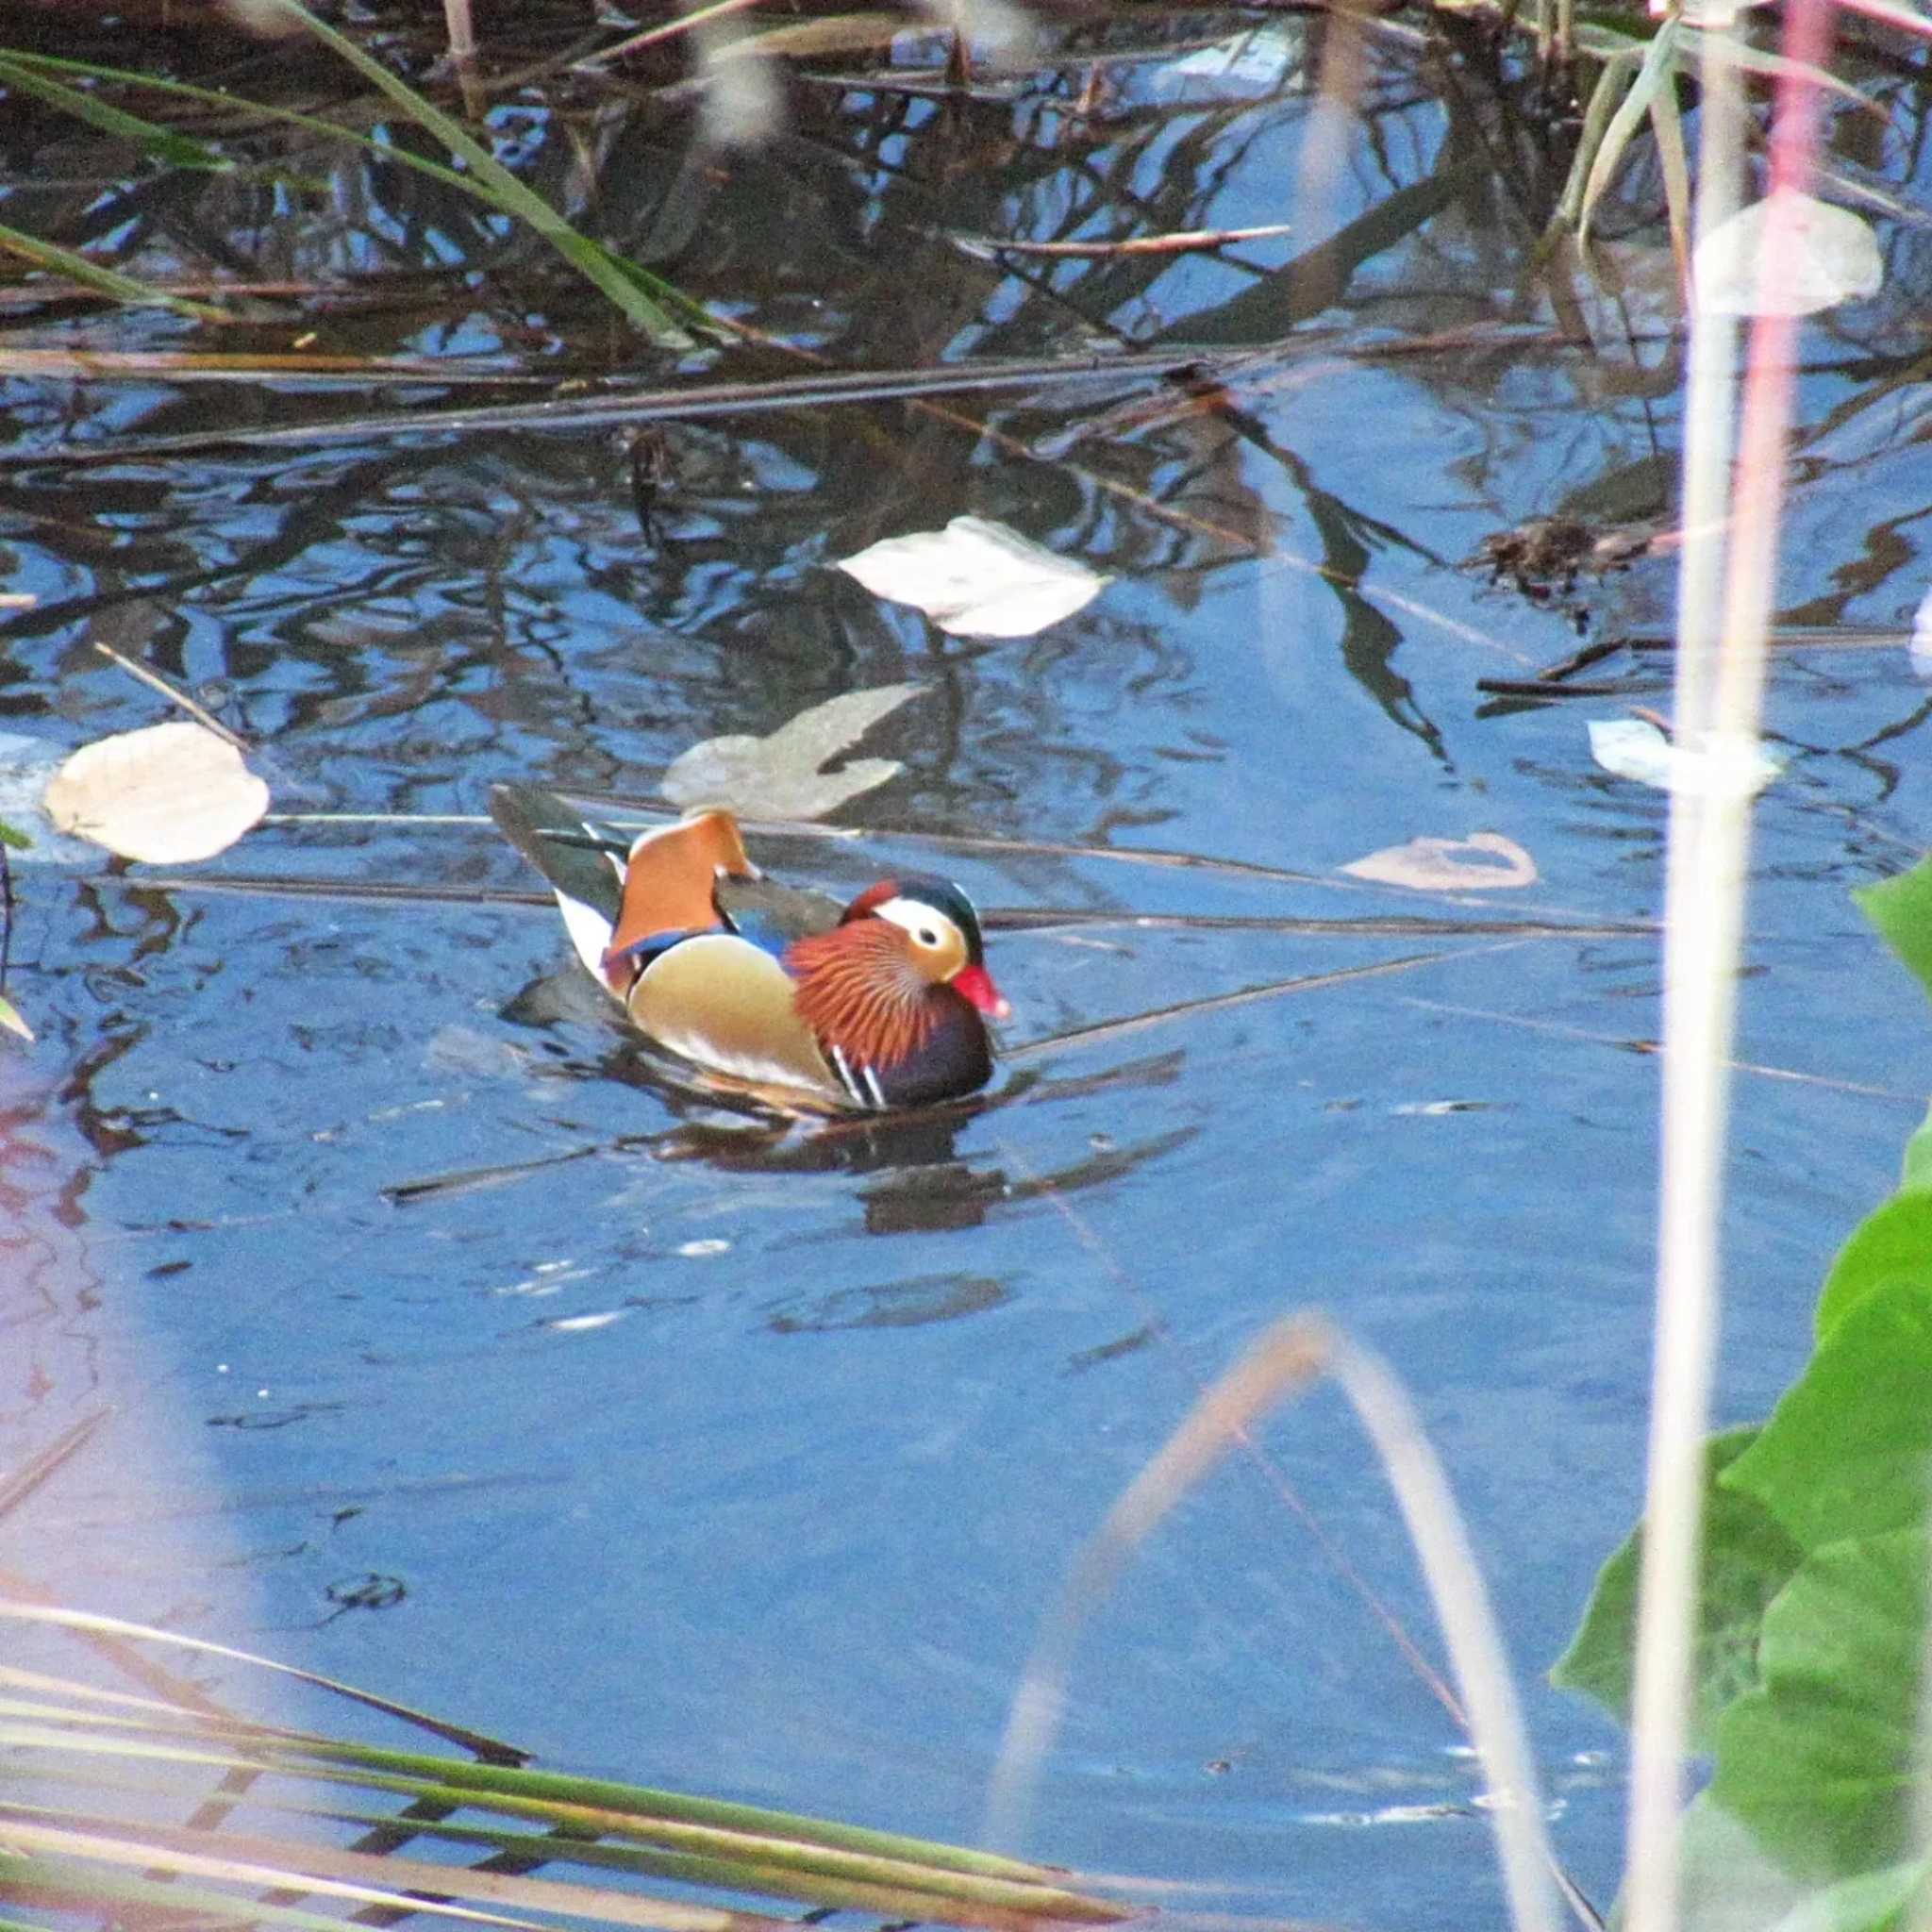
<point>1178,242</point>
<point>1543,688</point>
<point>1631,1044</point>
<point>666,30</point>
<point>1216,1003</point>
<point>25,1480</point>
<point>155,681</point>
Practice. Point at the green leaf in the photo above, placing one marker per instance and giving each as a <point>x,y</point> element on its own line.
<point>641,295</point>
<point>1846,1452</point>
<point>1730,1883</point>
<point>11,1019</point>
<point>1656,74</point>
<point>1818,1761</point>
<point>1901,909</point>
<point>1893,1243</point>
<point>1747,1560</point>
<point>163,144</point>
<point>1866,1904</point>
<point>1916,1172</point>
<point>103,281</point>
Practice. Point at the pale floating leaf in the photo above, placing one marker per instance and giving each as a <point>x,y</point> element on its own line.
<point>26,766</point>
<point>1786,255</point>
<point>1922,638</point>
<point>976,579</point>
<point>10,1018</point>
<point>779,776</point>
<point>1484,862</point>
<point>167,795</point>
<point>1251,62</point>
<point>1635,748</point>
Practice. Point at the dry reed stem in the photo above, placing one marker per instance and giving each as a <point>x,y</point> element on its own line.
<point>1286,1358</point>
<point>1721,672</point>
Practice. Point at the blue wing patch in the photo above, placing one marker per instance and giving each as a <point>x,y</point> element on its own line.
<point>768,933</point>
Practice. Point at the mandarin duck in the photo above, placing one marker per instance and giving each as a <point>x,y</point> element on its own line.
<point>880,1003</point>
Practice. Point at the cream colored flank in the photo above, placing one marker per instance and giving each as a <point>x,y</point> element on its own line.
<point>751,1028</point>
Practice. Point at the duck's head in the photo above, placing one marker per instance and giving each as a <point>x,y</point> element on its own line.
<point>941,934</point>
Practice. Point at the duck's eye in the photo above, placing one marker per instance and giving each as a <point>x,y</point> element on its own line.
<point>927,936</point>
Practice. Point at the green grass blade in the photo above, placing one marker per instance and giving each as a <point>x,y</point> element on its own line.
<point>103,281</point>
<point>163,144</point>
<point>57,1883</point>
<point>627,284</point>
<point>1657,71</point>
<point>1611,85</point>
<point>1774,65</point>
<point>1667,122</point>
<point>107,1848</point>
<point>699,1840</point>
<point>643,297</point>
<point>91,1622</point>
<point>260,111</point>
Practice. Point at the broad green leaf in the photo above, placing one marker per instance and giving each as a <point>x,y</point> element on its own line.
<point>1915,1173</point>
<point>1848,1449</point>
<point>1747,1559</point>
<point>1818,1760</point>
<point>1901,909</point>
<point>1866,1904</point>
<point>1604,41</point>
<point>1731,1884</point>
<point>15,841</point>
<point>1893,1243</point>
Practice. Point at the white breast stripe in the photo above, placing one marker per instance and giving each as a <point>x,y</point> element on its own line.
<point>871,1080</point>
<point>839,1066</point>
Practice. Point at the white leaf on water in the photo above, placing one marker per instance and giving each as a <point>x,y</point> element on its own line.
<point>1482,863</point>
<point>26,766</point>
<point>1252,62</point>
<point>1786,255</point>
<point>778,778</point>
<point>1635,748</point>
<point>1920,644</point>
<point>976,579</point>
<point>167,795</point>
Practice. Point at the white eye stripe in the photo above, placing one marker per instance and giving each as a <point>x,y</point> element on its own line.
<point>926,923</point>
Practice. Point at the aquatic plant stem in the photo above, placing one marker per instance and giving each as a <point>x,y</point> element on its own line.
<point>1721,657</point>
<point>1294,1352</point>
<point>1461,1601</point>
